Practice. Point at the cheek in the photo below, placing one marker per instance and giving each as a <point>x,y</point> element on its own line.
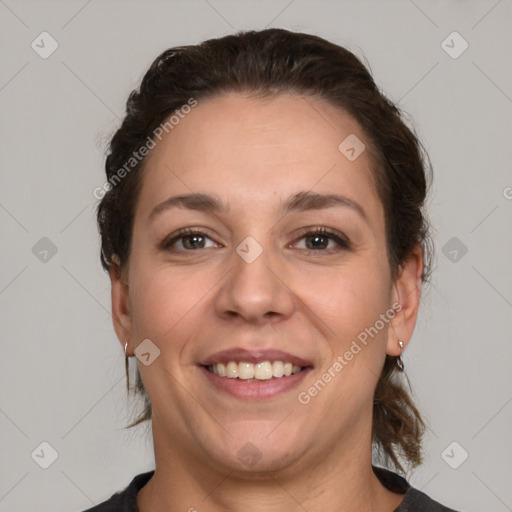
<point>351,306</point>
<point>160,300</point>
<point>350,299</point>
<point>171,308</point>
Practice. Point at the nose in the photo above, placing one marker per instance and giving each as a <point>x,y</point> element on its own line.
<point>255,291</point>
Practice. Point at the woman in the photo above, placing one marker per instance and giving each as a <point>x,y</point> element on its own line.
<point>264,233</point>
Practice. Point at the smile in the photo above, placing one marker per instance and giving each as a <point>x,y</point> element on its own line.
<point>258,374</point>
<point>264,370</point>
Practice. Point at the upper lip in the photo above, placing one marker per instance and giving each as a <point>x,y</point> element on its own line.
<point>253,356</point>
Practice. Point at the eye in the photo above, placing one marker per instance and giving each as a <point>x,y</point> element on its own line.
<point>185,240</point>
<point>324,240</point>
<point>318,240</point>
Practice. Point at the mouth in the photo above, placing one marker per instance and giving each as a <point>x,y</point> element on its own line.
<point>250,372</point>
<point>254,374</point>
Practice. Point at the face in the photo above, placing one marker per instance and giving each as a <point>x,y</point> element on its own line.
<point>273,260</point>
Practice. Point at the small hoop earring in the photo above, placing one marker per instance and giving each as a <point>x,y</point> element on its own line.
<point>399,361</point>
<point>125,349</point>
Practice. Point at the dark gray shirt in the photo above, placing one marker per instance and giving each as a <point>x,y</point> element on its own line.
<point>414,500</point>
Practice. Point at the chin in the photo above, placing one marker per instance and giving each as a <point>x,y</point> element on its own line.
<point>259,456</point>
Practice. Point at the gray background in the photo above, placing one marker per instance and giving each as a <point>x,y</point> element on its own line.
<point>61,366</point>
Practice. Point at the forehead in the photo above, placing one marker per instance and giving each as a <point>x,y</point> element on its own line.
<point>238,147</point>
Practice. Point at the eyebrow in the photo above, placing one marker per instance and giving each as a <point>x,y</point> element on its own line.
<point>301,201</point>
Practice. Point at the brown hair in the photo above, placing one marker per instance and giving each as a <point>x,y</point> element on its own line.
<point>265,63</point>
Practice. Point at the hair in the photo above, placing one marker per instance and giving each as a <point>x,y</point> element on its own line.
<point>267,63</point>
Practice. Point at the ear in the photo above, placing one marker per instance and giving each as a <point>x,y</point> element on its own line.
<point>120,303</point>
<point>406,298</point>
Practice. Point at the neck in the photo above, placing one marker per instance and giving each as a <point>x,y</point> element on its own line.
<point>342,479</point>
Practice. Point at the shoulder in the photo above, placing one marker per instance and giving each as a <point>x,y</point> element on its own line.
<point>124,501</point>
<point>414,500</point>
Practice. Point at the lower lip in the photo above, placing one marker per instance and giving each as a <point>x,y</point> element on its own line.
<point>256,390</point>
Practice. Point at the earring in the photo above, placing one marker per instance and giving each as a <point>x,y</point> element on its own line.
<point>127,366</point>
<point>399,361</point>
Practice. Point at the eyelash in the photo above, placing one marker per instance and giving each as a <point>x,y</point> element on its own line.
<point>343,243</point>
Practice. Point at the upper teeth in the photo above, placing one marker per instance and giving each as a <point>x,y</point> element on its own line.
<point>261,371</point>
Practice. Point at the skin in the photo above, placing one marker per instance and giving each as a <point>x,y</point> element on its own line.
<point>253,154</point>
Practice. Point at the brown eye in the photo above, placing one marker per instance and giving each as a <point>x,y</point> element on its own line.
<point>324,240</point>
<point>186,240</point>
